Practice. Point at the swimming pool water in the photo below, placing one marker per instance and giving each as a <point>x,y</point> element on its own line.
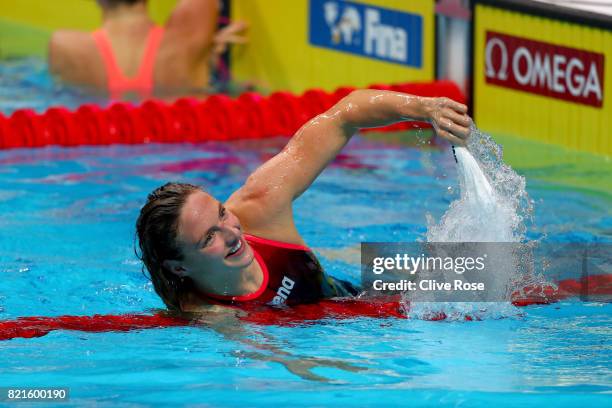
<point>66,248</point>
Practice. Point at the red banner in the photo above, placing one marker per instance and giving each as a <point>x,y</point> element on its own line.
<point>544,69</point>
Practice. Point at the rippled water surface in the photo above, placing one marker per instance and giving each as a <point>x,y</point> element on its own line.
<point>66,247</point>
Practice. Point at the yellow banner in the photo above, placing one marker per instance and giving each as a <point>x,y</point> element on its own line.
<point>302,44</point>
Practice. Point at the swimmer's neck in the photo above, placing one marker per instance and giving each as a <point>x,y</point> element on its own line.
<point>126,14</point>
<point>250,279</point>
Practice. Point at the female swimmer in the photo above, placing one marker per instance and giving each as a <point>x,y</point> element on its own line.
<point>200,252</point>
<point>131,56</point>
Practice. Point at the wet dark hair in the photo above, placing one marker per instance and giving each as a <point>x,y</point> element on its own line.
<point>156,230</point>
<point>115,3</point>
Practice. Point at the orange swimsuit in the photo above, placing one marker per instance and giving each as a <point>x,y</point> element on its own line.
<point>117,83</point>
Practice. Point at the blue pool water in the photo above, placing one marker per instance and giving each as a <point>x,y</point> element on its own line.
<point>66,248</point>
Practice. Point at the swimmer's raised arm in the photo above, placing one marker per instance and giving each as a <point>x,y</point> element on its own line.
<point>265,199</point>
<point>194,20</point>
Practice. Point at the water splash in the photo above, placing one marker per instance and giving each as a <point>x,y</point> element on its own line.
<point>493,207</point>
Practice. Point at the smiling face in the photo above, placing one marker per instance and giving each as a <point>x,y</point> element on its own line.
<point>215,252</point>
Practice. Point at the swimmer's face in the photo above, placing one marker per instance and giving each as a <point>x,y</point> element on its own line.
<point>213,246</point>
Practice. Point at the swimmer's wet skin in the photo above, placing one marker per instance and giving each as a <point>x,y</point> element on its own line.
<point>129,55</point>
<point>197,248</point>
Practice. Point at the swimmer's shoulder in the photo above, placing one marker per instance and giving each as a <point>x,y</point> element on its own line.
<point>259,217</point>
<point>73,56</point>
<point>67,45</point>
<point>194,21</point>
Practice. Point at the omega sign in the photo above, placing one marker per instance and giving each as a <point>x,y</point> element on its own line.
<point>544,69</point>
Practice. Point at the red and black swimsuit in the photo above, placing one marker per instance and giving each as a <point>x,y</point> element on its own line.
<point>291,275</point>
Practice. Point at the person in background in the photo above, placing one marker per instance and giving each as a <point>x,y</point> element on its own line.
<point>130,56</point>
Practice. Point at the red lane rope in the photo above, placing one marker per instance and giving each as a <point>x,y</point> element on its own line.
<point>27,327</point>
<point>217,117</point>
<point>594,286</point>
<point>386,307</point>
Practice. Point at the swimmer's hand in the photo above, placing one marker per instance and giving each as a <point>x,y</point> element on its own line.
<point>449,119</point>
<point>301,366</point>
<point>231,34</point>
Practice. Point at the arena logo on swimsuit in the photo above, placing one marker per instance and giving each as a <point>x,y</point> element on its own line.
<point>545,69</point>
<point>283,291</point>
<point>369,31</point>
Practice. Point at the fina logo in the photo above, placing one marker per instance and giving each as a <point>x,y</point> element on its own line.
<point>359,29</point>
<point>343,29</point>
